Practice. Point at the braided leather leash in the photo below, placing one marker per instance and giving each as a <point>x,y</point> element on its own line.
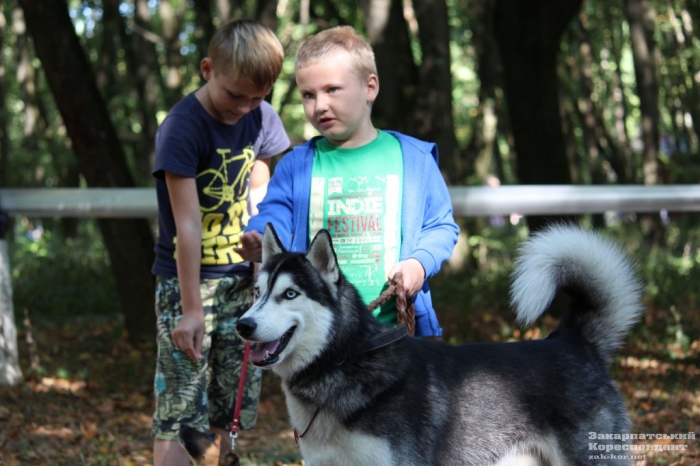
<point>405,312</point>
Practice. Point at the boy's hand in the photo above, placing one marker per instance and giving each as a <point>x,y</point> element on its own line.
<point>413,275</point>
<point>189,333</point>
<point>251,246</point>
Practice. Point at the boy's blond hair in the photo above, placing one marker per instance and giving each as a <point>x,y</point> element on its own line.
<point>247,48</point>
<point>319,46</point>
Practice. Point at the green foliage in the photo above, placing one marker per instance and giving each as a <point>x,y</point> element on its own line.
<point>473,296</point>
<point>56,278</point>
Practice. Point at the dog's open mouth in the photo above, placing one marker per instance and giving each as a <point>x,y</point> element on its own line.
<point>267,353</point>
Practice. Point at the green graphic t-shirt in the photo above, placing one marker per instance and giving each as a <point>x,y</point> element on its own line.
<point>356,195</point>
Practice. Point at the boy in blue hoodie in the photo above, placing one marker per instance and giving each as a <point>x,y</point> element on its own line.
<point>379,193</point>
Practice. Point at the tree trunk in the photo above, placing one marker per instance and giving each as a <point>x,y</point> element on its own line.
<point>171,19</point>
<point>266,13</point>
<point>10,372</point>
<point>142,70</point>
<point>203,27</point>
<point>690,101</point>
<point>4,136</point>
<point>581,70</point>
<point>223,10</point>
<point>108,56</point>
<point>99,154</point>
<point>26,82</point>
<point>481,154</point>
<point>433,114</point>
<point>640,17</point>
<point>529,33</point>
<point>398,75</point>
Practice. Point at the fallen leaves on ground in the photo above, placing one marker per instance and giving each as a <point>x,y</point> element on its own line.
<point>88,399</point>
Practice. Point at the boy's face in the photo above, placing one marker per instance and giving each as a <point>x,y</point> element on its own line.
<point>229,100</point>
<point>337,102</point>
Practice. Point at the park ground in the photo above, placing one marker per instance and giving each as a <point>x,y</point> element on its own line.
<point>87,395</point>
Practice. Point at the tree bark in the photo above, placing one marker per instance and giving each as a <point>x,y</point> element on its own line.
<point>26,81</point>
<point>10,372</point>
<point>529,33</point>
<point>581,69</point>
<point>204,27</point>
<point>266,13</point>
<point>142,70</point>
<point>4,136</point>
<point>640,17</point>
<point>688,62</point>
<point>433,114</point>
<point>626,162</point>
<point>108,55</point>
<point>99,154</point>
<point>398,75</point>
<point>481,154</point>
<point>223,10</point>
<point>171,19</point>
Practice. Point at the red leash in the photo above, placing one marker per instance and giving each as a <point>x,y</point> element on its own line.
<point>239,397</point>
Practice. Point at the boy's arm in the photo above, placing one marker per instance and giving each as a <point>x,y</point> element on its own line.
<point>259,178</point>
<point>438,232</point>
<point>412,273</point>
<point>251,242</point>
<point>275,208</point>
<point>188,334</point>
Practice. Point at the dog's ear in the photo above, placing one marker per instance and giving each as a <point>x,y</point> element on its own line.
<point>322,256</point>
<point>271,244</point>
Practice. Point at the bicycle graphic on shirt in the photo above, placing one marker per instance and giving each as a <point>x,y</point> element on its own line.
<point>219,187</point>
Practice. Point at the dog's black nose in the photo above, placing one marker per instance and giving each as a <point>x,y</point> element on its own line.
<point>246,327</point>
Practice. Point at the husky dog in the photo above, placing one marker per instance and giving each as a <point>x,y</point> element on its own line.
<point>361,394</point>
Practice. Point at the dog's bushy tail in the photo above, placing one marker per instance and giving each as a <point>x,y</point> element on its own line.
<point>597,275</point>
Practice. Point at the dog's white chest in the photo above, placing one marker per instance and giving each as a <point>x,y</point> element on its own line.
<point>328,443</point>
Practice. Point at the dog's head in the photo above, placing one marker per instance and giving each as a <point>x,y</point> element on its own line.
<point>205,448</point>
<point>293,310</point>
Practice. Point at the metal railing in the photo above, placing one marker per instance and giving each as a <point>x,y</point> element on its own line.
<point>466,201</point>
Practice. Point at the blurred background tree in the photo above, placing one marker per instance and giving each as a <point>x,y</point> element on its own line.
<point>513,92</point>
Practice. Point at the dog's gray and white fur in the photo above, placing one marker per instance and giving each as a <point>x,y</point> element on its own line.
<point>415,402</point>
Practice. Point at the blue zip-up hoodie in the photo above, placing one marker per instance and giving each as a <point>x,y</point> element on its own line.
<point>428,229</point>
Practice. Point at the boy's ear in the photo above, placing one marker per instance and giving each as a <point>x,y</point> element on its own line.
<point>271,244</point>
<point>206,66</point>
<point>372,87</point>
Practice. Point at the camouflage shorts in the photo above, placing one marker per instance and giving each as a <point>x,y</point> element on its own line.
<point>203,393</point>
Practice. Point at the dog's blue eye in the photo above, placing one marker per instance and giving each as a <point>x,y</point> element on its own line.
<point>290,294</point>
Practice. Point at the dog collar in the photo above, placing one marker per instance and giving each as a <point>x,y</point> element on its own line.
<point>297,435</point>
<point>376,342</point>
<point>386,338</point>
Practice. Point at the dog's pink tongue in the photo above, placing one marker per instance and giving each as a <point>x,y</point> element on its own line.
<point>261,350</point>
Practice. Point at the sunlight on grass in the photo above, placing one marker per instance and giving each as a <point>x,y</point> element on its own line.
<point>59,385</point>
